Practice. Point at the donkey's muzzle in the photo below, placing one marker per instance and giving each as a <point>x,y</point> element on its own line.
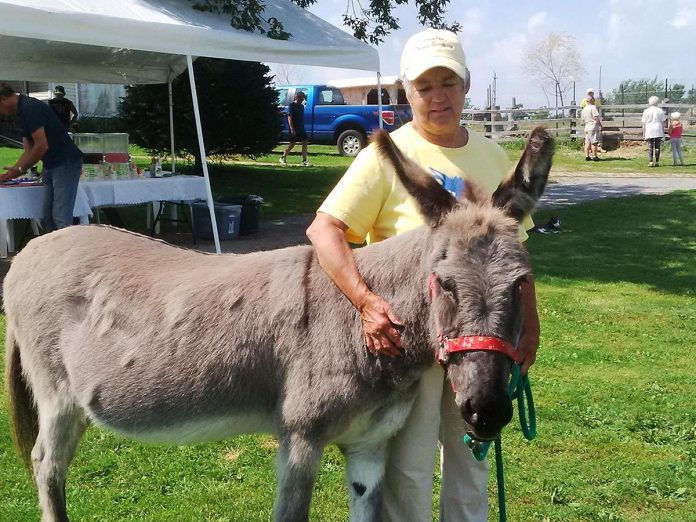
<point>486,418</point>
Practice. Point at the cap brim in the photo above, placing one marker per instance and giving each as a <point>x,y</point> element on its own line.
<point>415,70</point>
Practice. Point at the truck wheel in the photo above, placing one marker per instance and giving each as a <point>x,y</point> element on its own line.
<point>350,142</point>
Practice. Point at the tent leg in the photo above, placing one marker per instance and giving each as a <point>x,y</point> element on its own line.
<point>379,99</point>
<point>171,124</point>
<point>204,160</point>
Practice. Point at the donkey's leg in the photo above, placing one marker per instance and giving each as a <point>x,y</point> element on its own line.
<point>297,463</point>
<point>61,425</point>
<point>365,472</point>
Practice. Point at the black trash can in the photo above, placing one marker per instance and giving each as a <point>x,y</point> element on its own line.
<point>251,210</point>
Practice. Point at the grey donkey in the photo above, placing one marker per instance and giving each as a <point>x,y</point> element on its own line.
<point>208,346</point>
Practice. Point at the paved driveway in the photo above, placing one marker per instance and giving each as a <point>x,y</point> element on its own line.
<point>568,190</point>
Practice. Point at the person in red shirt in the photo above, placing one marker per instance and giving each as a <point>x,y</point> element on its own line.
<point>675,138</point>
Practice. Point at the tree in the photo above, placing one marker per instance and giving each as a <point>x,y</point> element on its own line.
<point>638,91</point>
<point>239,111</point>
<point>690,96</point>
<point>369,23</point>
<point>554,62</point>
<point>285,74</point>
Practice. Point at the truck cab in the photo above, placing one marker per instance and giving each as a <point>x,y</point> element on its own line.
<point>329,120</point>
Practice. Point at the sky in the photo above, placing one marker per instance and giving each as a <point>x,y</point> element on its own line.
<point>627,39</point>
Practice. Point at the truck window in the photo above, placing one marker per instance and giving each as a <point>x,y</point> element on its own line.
<point>283,96</point>
<point>330,96</point>
<point>372,97</point>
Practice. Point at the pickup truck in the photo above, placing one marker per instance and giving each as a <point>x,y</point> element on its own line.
<point>328,120</point>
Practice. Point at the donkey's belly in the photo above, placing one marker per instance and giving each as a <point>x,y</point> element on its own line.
<point>196,430</point>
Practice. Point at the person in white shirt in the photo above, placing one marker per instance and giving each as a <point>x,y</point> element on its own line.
<point>593,129</point>
<point>653,130</point>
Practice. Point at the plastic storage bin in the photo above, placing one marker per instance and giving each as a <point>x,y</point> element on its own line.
<point>251,209</point>
<point>228,219</point>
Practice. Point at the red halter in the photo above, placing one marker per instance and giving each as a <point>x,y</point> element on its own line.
<point>468,343</point>
<point>472,343</point>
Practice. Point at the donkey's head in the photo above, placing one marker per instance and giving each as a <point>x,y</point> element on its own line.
<point>475,268</point>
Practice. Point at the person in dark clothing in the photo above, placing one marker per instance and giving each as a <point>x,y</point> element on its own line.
<point>44,138</point>
<point>297,130</point>
<point>64,108</point>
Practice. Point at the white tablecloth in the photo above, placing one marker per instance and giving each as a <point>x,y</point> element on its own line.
<point>143,190</point>
<point>28,202</point>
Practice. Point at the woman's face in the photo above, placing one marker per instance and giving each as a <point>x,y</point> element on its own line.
<point>437,100</point>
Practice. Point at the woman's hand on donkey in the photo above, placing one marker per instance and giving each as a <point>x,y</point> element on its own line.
<point>380,325</point>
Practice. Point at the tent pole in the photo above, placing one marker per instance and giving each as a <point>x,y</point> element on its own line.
<point>201,146</point>
<point>379,98</point>
<point>171,124</point>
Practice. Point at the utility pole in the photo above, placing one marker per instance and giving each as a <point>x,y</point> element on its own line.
<point>495,87</point>
<point>599,88</point>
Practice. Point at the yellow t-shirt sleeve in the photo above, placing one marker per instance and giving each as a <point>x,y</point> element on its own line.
<point>359,195</point>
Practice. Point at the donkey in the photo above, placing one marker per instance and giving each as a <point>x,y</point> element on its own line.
<point>165,344</point>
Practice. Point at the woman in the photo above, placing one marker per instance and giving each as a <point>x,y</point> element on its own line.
<point>653,130</point>
<point>369,205</point>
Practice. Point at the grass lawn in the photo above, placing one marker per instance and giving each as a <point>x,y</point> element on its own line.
<point>614,388</point>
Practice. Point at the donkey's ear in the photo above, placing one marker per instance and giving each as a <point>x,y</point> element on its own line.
<point>434,201</point>
<point>519,194</point>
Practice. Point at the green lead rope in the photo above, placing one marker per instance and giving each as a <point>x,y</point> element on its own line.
<point>520,389</point>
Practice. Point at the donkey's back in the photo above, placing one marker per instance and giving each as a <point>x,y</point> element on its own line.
<point>155,341</point>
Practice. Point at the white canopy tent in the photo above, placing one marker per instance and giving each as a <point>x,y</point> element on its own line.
<point>148,41</point>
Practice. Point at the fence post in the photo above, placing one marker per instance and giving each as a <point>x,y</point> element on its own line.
<point>573,114</point>
<point>487,127</point>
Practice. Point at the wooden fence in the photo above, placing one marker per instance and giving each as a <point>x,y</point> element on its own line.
<point>621,122</point>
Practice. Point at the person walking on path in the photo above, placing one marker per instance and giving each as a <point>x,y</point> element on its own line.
<point>589,116</point>
<point>370,204</point>
<point>297,128</point>
<point>64,108</point>
<point>675,138</point>
<point>653,130</point>
<point>44,138</point>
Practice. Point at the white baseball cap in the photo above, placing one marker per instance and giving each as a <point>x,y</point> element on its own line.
<point>432,48</point>
<point>590,90</point>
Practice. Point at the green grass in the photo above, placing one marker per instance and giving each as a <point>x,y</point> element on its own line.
<point>614,388</point>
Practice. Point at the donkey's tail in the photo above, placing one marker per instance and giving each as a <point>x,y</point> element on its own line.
<point>24,419</point>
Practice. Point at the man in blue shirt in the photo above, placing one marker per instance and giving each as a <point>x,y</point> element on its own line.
<point>297,129</point>
<point>44,138</point>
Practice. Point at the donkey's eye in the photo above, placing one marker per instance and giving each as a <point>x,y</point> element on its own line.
<point>448,285</point>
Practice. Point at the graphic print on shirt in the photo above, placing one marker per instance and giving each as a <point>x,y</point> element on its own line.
<point>452,184</point>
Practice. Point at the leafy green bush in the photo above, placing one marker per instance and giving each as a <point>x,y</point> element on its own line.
<point>238,107</point>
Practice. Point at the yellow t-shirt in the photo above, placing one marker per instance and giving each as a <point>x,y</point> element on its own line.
<point>585,101</point>
<point>374,204</point>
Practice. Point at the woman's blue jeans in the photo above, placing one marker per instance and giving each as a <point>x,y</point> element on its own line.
<point>62,182</point>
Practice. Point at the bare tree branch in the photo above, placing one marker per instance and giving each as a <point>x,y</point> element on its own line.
<point>554,62</point>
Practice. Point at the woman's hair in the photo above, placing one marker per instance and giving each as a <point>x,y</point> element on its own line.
<point>653,100</point>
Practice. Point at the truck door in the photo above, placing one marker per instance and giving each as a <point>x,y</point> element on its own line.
<point>325,113</point>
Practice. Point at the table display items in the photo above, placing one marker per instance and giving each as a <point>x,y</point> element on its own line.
<point>105,156</point>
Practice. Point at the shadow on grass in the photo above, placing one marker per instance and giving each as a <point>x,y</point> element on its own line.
<point>647,240</point>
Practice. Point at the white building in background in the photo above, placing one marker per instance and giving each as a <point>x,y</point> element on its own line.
<point>363,91</point>
<point>90,99</point>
